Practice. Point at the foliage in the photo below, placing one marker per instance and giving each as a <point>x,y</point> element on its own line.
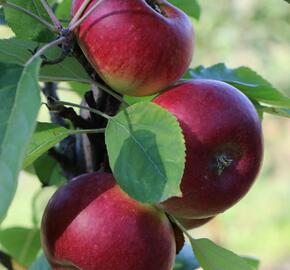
<point>22,24</point>
<point>141,130</point>
<point>20,101</point>
<point>18,51</point>
<point>192,8</point>
<point>22,243</point>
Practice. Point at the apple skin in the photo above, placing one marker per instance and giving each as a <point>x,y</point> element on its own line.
<point>136,50</point>
<point>224,146</point>
<point>190,224</point>
<point>92,224</point>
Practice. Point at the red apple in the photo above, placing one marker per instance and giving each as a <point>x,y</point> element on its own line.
<point>138,47</point>
<point>190,224</point>
<point>224,146</point>
<point>92,224</point>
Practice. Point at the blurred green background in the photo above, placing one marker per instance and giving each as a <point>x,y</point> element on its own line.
<point>254,33</point>
<point>250,33</point>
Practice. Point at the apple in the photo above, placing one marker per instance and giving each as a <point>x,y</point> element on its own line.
<point>190,224</point>
<point>137,47</point>
<point>224,146</point>
<point>90,223</point>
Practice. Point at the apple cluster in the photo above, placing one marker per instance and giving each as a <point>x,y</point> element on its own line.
<point>139,48</point>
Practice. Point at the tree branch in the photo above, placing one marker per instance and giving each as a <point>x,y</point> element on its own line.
<point>6,260</point>
<point>51,14</point>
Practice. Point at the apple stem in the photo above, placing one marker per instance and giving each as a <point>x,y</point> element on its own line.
<point>57,102</point>
<point>80,11</point>
<point>110,92</point>
<point>54,19</point>
<point>180,226</point>
<point>51,27</point>
<point>102,87</point>
<point>46,47</point>
<point>74,25</point>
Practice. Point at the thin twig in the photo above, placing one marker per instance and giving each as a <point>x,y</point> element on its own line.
<point>89,131</point>
<point>31,14</point>
<point>51,14</point>
<point>87,14</point>
<point>44,48</point>
<point>50,90</point>
<point>104,88</point>
<point>85,108</point>
<point>55,61</point>
<point>110,92</point>
<point>284,112</point>
<point>80,11</point>
<point>182,228</point>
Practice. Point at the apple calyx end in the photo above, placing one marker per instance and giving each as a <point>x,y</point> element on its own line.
<point>156,7</point>
<point>222,162</point>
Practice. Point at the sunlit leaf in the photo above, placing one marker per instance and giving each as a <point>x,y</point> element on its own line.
<point>25,26</point>
<point>246,80</point>
<point>190,7</point>
<point>19,51</point>
<point>23,244</point>
<point>45,137</point>
<point>19,106</point>
<point>213,257</point>
<point>48,171</point>
<point>146,152</point>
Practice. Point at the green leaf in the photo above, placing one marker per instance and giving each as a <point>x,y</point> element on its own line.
<point>246,80</point>
<point>19,51</point>
<point>25,26</point>
<point>63,10</point>
<point>39,203</point>
<point>132,100</point>
<point>254,262</point>
<point>288,1</point>
<point>23,244</point>
<point>19,106</point>
<point>273,110</point>
<point>191,7</point>
<point>80,88</point>
<point>45,137</point>
<point>48,171</point>
<point>41,263</point>
<point>146,152</point>
<point>212,257</point>
<point>2,17</point>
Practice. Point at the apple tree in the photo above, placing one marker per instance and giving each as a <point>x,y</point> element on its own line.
<point>153,149</point>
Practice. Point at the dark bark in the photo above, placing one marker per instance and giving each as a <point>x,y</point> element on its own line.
<point>6,260</point>
<point>82,153</point>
